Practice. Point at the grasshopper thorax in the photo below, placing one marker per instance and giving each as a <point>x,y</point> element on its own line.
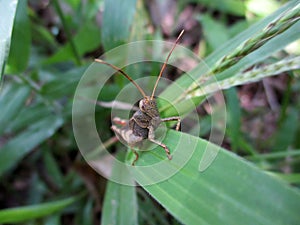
<point>149,107</point>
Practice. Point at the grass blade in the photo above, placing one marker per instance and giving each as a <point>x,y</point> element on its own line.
<point>120,203</point>
<point>21,38</point>
<point>22,214</point>
<point>7,11</point>
<point>15,149</point>
<point>87,39</point>
<point>230,190</point>
<point>12,100</point>
<point>234,118</point>
<point>117,19</point>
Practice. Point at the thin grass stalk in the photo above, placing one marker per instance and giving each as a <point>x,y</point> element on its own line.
<point>287,64</point>
<point>273,29</point>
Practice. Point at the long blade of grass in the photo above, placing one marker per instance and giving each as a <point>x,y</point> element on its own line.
<point>12,100</point>
<point>117,19</point>
<point>25,213</point>
<point>16,148</point>
<point>20,43</point>
<point>234,118</point>
<point>275,155</point>
<point>7,11</point>
<point>120,203</point>
<point>253,75</point>
<point>230,191</point>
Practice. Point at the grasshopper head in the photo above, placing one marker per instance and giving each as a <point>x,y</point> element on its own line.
<point>149,107</point>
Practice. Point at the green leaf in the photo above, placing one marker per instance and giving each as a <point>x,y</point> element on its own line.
<point>229,190</point>
<point>30,115</point>
<point>86,40</point>
<point>16,148</point>
<point>7,11</point>
<point>149,213</point>
<point>275,155</point>
<point>42,36</point>
<point>287,131</point>
<point>66,26</point>
<point>234,117</point>
<point>63,84</point>
<point>293,178</point>
<point>22,214</point>
<point>52,220</point>
<point>86,218</point>
<point>53,168</point>
<point>117,18</point>
<point>120,204</point>
<point>21,40</point>
<point>234,7</point>
<point>215,33</point>
<point>12,100</point>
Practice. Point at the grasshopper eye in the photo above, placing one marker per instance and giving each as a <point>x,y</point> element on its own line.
<point>141,105</point>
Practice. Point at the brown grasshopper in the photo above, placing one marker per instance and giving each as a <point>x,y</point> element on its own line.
<point>144,121</point>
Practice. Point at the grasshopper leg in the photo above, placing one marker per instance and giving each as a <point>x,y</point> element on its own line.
<point>128,137</point>
<point>151,138</point>
<point>136,157</point>
<point>119,121</point>
<point>172,119</point>
<point>163,146</point>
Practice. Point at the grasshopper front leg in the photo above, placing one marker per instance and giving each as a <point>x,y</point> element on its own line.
<point>173,118</point>
<point>151,138</point>
<point>151,134</point>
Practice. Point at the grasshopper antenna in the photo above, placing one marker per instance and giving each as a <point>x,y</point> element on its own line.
<point>123,73</point>
<point>165,64</point>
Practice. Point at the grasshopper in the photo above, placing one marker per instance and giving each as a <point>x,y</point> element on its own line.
<point>146,119</point>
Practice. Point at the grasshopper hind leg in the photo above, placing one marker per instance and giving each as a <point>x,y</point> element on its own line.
<point>129,138</point>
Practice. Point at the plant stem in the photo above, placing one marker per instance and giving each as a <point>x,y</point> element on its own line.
<point>274,155</point>
<point>253,75</point>
<point>273,29</point>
